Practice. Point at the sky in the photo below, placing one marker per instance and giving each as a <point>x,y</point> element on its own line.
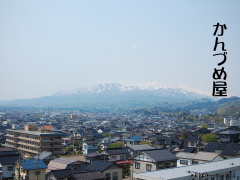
<point>59,45</point>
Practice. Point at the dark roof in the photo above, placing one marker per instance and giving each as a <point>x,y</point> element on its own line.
<point>89,176</point>
<point>99,166</point>
<point>116,151</point>
<point>7,152</point>
<point>93,154</point>
<point>9,160</point>
<point>30,164</point>
<point>160,155</point>
<point>190,139</point>
<point>62,173</point>
<point>229,132</point>
<point>231,149</point>
<point>190,149</point>
<point>211,147</point>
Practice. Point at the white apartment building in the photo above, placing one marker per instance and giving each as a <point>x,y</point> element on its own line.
<point>218,170</point>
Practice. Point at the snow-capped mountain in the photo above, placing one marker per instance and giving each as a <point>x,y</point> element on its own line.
<point>112,95</point>
<point>154,89</point>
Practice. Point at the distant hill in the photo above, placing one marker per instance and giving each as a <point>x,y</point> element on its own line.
<point>114,96</point>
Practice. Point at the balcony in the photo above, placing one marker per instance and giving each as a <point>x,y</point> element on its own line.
<point>28,150</point>
<point>29,139</point>
<point>26,144</point>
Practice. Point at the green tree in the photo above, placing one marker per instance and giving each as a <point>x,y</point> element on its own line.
<point>116,145</point>
<point>203,126</point>
<point>209,137</point>
<point>146,142</point>
<point>106,135</point>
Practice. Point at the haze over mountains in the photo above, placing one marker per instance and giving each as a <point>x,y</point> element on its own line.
<point>112,94</point>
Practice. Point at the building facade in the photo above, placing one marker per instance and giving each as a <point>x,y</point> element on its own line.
<point>32,141</point>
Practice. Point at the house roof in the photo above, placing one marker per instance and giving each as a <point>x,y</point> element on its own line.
<point>62,173</point>
<point>211,147</point>
<point>231,149</point>
<point>89,176</point>
<point>99,166</point>
<point>205,156</point>
<point>30,164</point>
<point>140,147</point>
<point>229,132</point>
<point>160,155</point>
<point>185,155</point>
<point>59,163</point>
<point>8,160</point>
<point>116,151</point>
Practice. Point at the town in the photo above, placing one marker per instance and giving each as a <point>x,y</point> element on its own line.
<point>71,144</point>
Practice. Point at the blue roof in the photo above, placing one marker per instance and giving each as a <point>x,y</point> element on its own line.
<point>30,164</point>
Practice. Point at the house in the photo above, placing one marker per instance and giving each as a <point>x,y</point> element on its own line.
<point>228,169</point>
<point>227,150</point>
<point>97,175</point>
<point>135,149</point>
<point>228,136</point>
<point>92,157</point>
<point>134,140</point>
<point>30,169</point>
<point>65,163</point>
<point>8,157</point>
<point>89,147</point>
<point>153,159</point>
<point>117,154</point>
<point>196,158</point>
<point>62,174</point>
<point>109,169</point>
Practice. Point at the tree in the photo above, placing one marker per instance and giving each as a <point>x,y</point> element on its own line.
<point>116,145</point>
<point>204,126</point>
<point>209,137</point>
<point>106,135</point>
<point>146,142</point>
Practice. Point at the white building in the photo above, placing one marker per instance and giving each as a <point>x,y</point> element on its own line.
<point>197,158</point>
<point>218,170</point>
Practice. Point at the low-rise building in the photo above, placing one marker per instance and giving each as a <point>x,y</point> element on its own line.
<point>228,169</point>
<point>30,169</point>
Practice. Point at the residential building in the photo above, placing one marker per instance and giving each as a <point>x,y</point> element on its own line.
<point>152,160</point>
<point>65,163</point>
<point>32,141</point>
<point>228,169</point>
<point>109,169</point>
<point>196,158</point>
<point>8,158</point>
<point>89,147</point>
<point>30,169</point>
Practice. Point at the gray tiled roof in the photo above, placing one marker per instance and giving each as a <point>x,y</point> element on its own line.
<point>140,147</point>
<point>99,166</point>
<point>185,155</point>
<point>89,176</point>
<point>160,155</point>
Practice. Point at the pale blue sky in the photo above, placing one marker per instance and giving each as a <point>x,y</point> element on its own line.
<point>49,46</point>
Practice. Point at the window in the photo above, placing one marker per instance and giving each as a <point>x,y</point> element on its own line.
<point>167,165</point>
<point>137,165</point>
<point>212,178</point>
<point>194,162</point>
<point>37,173</point>
<point>227,177</point>
<point>222,177</point>
<point>148,167</point>
<point>108,175</point>
<point>160,166</point>
<point>10,168</point>
<point>115,176</point>
<point>184,162</point>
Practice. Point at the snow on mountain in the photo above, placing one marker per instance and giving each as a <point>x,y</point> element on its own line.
<point>151,88</point>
